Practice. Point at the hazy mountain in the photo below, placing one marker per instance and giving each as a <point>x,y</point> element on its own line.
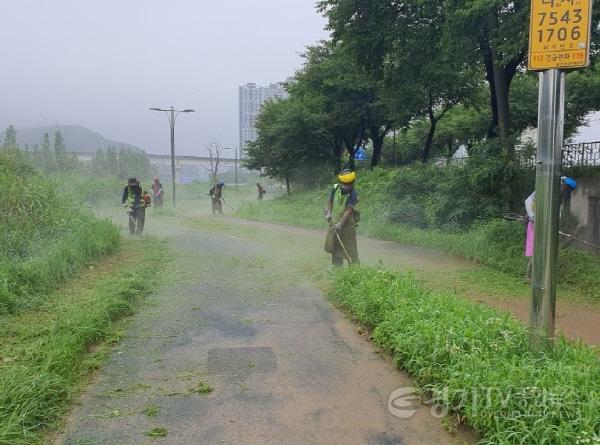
<point>78,139</point>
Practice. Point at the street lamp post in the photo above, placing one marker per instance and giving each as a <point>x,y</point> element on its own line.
<point>172,114</point>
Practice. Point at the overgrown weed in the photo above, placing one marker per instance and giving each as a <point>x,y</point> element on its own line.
<point>476,360</point>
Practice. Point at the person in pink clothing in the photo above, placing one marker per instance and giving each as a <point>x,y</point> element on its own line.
<point>567,186</point>
<point>529,237</point>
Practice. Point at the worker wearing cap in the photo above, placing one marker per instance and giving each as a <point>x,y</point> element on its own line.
<point>132,201</point>
<point>157,191</point>
<point>216,195</point>
<point>567,186</point>
<point>341,238</point>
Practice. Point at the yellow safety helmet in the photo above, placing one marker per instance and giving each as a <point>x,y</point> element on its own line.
<point>347,177</point>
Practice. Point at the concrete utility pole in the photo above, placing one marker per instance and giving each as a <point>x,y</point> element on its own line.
<point>172,116</point>
<point>547,207</point>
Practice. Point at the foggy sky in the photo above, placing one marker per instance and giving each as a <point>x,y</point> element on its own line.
<point>102,63</point>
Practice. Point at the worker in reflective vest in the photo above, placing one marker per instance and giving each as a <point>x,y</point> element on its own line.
<point>341,237</point>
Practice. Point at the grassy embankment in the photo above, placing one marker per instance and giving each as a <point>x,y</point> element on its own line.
<point>48,331</point>
<point>495,243</point>
<point>476,361</point>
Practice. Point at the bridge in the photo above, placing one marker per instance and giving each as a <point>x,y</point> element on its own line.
<point>187,168</point>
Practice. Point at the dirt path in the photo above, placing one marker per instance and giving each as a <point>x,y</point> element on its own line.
<point>576,319</point>
<point>239,311</point>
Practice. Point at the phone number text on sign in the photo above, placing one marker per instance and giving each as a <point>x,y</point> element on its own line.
<point>559,34</point>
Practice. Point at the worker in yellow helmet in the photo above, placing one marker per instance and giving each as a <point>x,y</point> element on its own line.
<point>341,238</point>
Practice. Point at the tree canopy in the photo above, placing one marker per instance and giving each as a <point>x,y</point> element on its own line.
<point>440,75</point>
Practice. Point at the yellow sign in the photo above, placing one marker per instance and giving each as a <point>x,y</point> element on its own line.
<point>559,34</point>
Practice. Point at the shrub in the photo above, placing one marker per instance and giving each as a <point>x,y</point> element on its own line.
<point>456,196</point>
<point>493,242</point>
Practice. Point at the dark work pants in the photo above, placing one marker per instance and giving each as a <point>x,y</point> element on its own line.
<point>337,261</point>
<point>137,219</point>
<point>217,206</point>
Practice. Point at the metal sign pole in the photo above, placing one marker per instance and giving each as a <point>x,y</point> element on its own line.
<point>173,174</point>
<point>547,207</point>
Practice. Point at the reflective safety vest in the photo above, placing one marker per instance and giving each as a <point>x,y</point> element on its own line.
<point>130,197</point>
<point>339,200</point>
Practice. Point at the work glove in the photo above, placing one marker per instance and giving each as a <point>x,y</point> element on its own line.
<point>337,227</point>
<point>327,215</point>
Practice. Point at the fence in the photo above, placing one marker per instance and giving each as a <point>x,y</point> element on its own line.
<point>581,155</point>
<point>585,154</point>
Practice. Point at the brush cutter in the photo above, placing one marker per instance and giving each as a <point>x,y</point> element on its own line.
<point>231,207</point>
<point>341,243</point>
<point>223,201</point>
<point>524,220</point>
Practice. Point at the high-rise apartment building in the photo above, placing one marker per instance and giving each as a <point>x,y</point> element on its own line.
<point>252,97</point>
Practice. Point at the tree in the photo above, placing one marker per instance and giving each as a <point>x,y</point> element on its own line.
<point>215,150</point>
<point>582,97</point>
<point>35,156</point>
<point>112,160</point>
<point>496,32</point>
<point>48,162</point>
<point>435,79</point>
<point>368,30</point>
<point>10,138</point>
<point>290,142</point>
<point>99,163</point>
<point>60,152</point>
<point>403,46</point>
<point>335,90</point>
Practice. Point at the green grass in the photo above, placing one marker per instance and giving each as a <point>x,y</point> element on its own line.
<point>47,352</point>
<point>476,361</point>
<point>494,243</point>
<point>45,237</point>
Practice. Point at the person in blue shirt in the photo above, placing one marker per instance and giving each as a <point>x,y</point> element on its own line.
<point>342,203</point>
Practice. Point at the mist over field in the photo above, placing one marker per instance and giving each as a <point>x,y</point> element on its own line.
<point>102,64</point>
<point>369,230</point>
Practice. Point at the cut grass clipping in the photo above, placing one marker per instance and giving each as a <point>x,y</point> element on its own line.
<point>203,388</point>
<point>151,411</point>
<point>44,353</point>
<point>475,361</point>
<point>157,432</point>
